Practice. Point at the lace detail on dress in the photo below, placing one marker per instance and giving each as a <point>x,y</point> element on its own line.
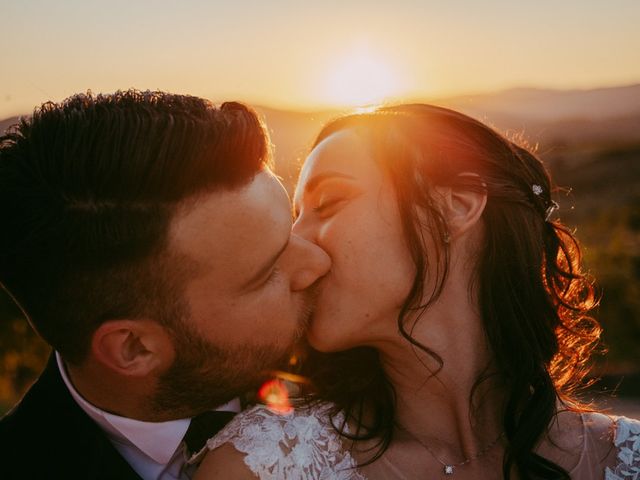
<point>627,442</point>
<point>300,445</point>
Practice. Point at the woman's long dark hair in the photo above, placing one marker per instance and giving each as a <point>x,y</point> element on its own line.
<point>533,297</point>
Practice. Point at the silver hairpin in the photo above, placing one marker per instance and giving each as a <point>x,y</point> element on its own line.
<point>553,206</point>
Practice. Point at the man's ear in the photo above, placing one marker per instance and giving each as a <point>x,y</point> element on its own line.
<point>133,347</point>
<point>462,205</point>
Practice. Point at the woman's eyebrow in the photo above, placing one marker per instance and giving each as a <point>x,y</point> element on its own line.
<point>313,184</point>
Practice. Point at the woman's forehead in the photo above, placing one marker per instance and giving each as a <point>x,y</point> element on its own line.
<point>343,151</point>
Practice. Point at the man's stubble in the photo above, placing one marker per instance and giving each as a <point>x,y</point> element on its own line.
<point>205,375</point>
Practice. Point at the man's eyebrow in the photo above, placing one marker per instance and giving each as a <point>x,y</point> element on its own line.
<point>262,271</point>
<point>321,177</point>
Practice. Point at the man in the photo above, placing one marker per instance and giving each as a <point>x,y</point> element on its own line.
<point>149,244</point>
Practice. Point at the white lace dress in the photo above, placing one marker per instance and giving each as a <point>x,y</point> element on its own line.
<point>302,445</point>
<point>627,444</point>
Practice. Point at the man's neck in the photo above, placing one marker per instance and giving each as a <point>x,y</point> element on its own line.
<point>113,394</point>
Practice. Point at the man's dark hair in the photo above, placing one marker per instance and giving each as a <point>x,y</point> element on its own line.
<point>88,188</point>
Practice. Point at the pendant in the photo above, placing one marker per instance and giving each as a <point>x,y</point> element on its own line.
<point>448,469</point>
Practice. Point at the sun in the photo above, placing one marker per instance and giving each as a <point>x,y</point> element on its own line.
<point>361,78</point>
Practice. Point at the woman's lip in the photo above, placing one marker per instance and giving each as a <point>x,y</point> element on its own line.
<point>314,291</point>
<point>322,293</point>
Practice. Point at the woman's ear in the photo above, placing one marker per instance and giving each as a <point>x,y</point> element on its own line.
<point>463,203</point>
<point>132,347</point>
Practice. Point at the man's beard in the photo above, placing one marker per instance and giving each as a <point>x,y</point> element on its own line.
<point>204,376</point>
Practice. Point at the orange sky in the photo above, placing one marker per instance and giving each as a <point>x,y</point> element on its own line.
<point>288,54</point>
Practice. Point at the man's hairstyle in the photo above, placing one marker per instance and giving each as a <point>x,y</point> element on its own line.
<point>88,188</point>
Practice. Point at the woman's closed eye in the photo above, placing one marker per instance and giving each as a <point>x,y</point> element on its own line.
<point>330,198</point>
<point>326,205</point>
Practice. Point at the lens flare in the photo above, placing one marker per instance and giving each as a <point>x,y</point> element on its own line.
<point>274,394</point>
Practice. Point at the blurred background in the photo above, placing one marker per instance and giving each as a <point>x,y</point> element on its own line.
<point>564,76</point>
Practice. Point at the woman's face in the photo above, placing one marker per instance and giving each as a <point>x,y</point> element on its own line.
<point>347,206</point>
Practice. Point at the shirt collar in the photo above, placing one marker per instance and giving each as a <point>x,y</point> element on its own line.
<point>157,440</point>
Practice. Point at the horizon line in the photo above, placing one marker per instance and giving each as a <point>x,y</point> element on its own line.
<point>329,108</point>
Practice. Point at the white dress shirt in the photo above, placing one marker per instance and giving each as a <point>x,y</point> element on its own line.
<point>153,449</point>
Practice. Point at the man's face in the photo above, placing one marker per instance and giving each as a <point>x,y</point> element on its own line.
<point>249,298</point>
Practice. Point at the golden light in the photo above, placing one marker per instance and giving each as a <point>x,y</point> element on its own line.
<point>362,78</point>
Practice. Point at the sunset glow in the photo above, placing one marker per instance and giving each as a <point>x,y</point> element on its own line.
<point>361,78</point>
<point>312,56</point>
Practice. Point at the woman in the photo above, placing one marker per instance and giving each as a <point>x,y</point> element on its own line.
<point>454,320</point>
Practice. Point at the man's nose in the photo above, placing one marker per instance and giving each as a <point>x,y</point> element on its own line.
<point>313,262</point>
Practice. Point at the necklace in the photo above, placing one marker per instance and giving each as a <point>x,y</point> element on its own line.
<point>450,468</point>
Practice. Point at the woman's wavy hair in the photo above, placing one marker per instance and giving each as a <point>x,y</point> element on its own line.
<point>533,297</point>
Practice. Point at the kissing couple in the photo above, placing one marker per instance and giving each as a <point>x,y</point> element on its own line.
<point>148,241</point>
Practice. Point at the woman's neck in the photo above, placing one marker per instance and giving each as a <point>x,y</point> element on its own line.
<point>434,398</point>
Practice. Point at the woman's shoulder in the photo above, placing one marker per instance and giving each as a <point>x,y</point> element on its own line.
<point>263,423</point>
<point>260,422</point>
<point>614,430</point>
<point>299,443</point>
<point>614,443</point>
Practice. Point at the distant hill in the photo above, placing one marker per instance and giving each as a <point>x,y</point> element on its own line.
<point>550,118</point>
<point>292,134</point>
<point>544,105</point>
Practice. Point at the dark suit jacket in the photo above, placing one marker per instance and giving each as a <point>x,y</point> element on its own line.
<point>48,436</point>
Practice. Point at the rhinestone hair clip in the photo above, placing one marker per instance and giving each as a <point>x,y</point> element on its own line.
<point>553,205</point>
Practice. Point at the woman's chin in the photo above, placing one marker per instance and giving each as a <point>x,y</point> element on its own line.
<point>325,338</point>
<point>319,343</point>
